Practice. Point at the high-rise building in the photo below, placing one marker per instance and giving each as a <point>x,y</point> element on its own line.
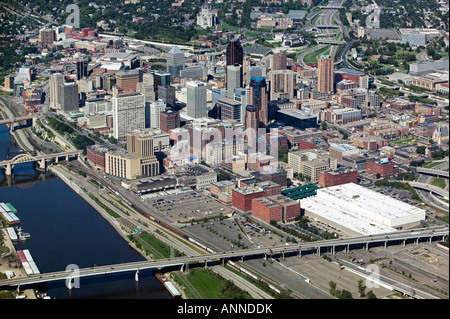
<point>282,84</point>
<point>147,87</point>
<point>56,79</point>
<point>258,97</point>
<point>235,53</point>
<point>167,94</point>
<point>279,61</point>
<point>156,108</point>
<point>47,37</point>
<point>325,74</point>
<point>139,160</point>
<point>196,99</point>
<point>253,71</point>
<point>82,67</point>
<point>251,126</point>
<point>234,79</point>
<point>169,120</point>
<point>128,81</point>
<point>128,113</point>
<point>228,109</point>
<point>175,61</point>
<point>68,97</point>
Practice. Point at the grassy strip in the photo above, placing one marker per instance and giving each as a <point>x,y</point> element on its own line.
<point>436,289</point>
<point>109,201</point>
<point>153,246</point>
<point>261,285</point>
<point>213,286</point>
<point>105,208</point>
<point>312,57</point>
<point>443,218</point>
<point>439,182</point>
<point>400,273</point>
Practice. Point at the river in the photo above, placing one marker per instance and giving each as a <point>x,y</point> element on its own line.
<point>65,231</point>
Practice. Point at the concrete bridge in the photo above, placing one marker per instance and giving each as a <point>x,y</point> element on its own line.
<point>431,171</point>
<point>431,188</point>
<point>40,159</point>
<point>332,42</point>
<point>399,237</point>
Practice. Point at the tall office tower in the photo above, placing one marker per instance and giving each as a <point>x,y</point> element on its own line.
<point>169,120</point>
<point>279,61</point>
<point>128,113</point>
<point>282,84</point>
<point>47,37</point>
<point>235,53</point>
<point>141,143</point>
<point>175,61</point>
<point>167,94</point>
<point>128,81</point>
<point>240,95</point>
<point>251,126</point>
<point>253,71</point>
<point>82,67</point>
<point>147,87</point>
<point>196,99</point>
<point>218,93</point>
<point>156,108</point>
<point>234,79</point>
<point>161,78</point>
<point>68,97</point>
<point>258,97</point>
<point>56,79</point>
<point>325,74</point>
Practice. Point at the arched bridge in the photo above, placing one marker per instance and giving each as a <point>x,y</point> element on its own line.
<point>41,159</point>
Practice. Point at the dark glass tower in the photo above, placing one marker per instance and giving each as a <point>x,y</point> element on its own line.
<point>235,53</point>
<point>258,96</point>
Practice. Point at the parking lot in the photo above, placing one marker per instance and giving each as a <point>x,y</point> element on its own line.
<point>188,206</point>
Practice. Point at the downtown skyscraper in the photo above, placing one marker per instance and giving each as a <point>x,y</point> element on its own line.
<point>325,74</point>
<point>235,53</point>
<point>258,97</point>
<point>196,99</point>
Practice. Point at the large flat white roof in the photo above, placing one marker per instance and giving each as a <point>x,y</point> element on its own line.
<point>329,211</point>
<point>361,210</point>
<point>373,201</point>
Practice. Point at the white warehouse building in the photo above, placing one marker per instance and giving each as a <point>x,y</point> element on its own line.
<point>357,210</point>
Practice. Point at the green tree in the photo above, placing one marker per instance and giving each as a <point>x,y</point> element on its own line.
<point>420,149</point>
<point>371,295</point>
<point>361,288</point>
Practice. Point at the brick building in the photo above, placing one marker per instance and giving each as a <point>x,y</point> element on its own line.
<point>242,197</point>
<point>380,166</point>
<point>278,208</point>
<point>331,178</point>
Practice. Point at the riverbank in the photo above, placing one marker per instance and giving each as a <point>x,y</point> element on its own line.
<point>18,272</point>
<point>64,175</point>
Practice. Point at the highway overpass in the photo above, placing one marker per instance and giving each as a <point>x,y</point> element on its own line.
<point>399,237</point>
<point>430,171</point>
<point>431,188</point>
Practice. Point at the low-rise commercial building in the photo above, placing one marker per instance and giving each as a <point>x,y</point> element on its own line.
<point>357,210</point>
<point>331,178</point>
<point>278,208</point>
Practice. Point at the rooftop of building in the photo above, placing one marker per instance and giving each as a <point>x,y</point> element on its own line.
<point>372,200</point>
<point>247,190</point>
<point>223,183</point>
